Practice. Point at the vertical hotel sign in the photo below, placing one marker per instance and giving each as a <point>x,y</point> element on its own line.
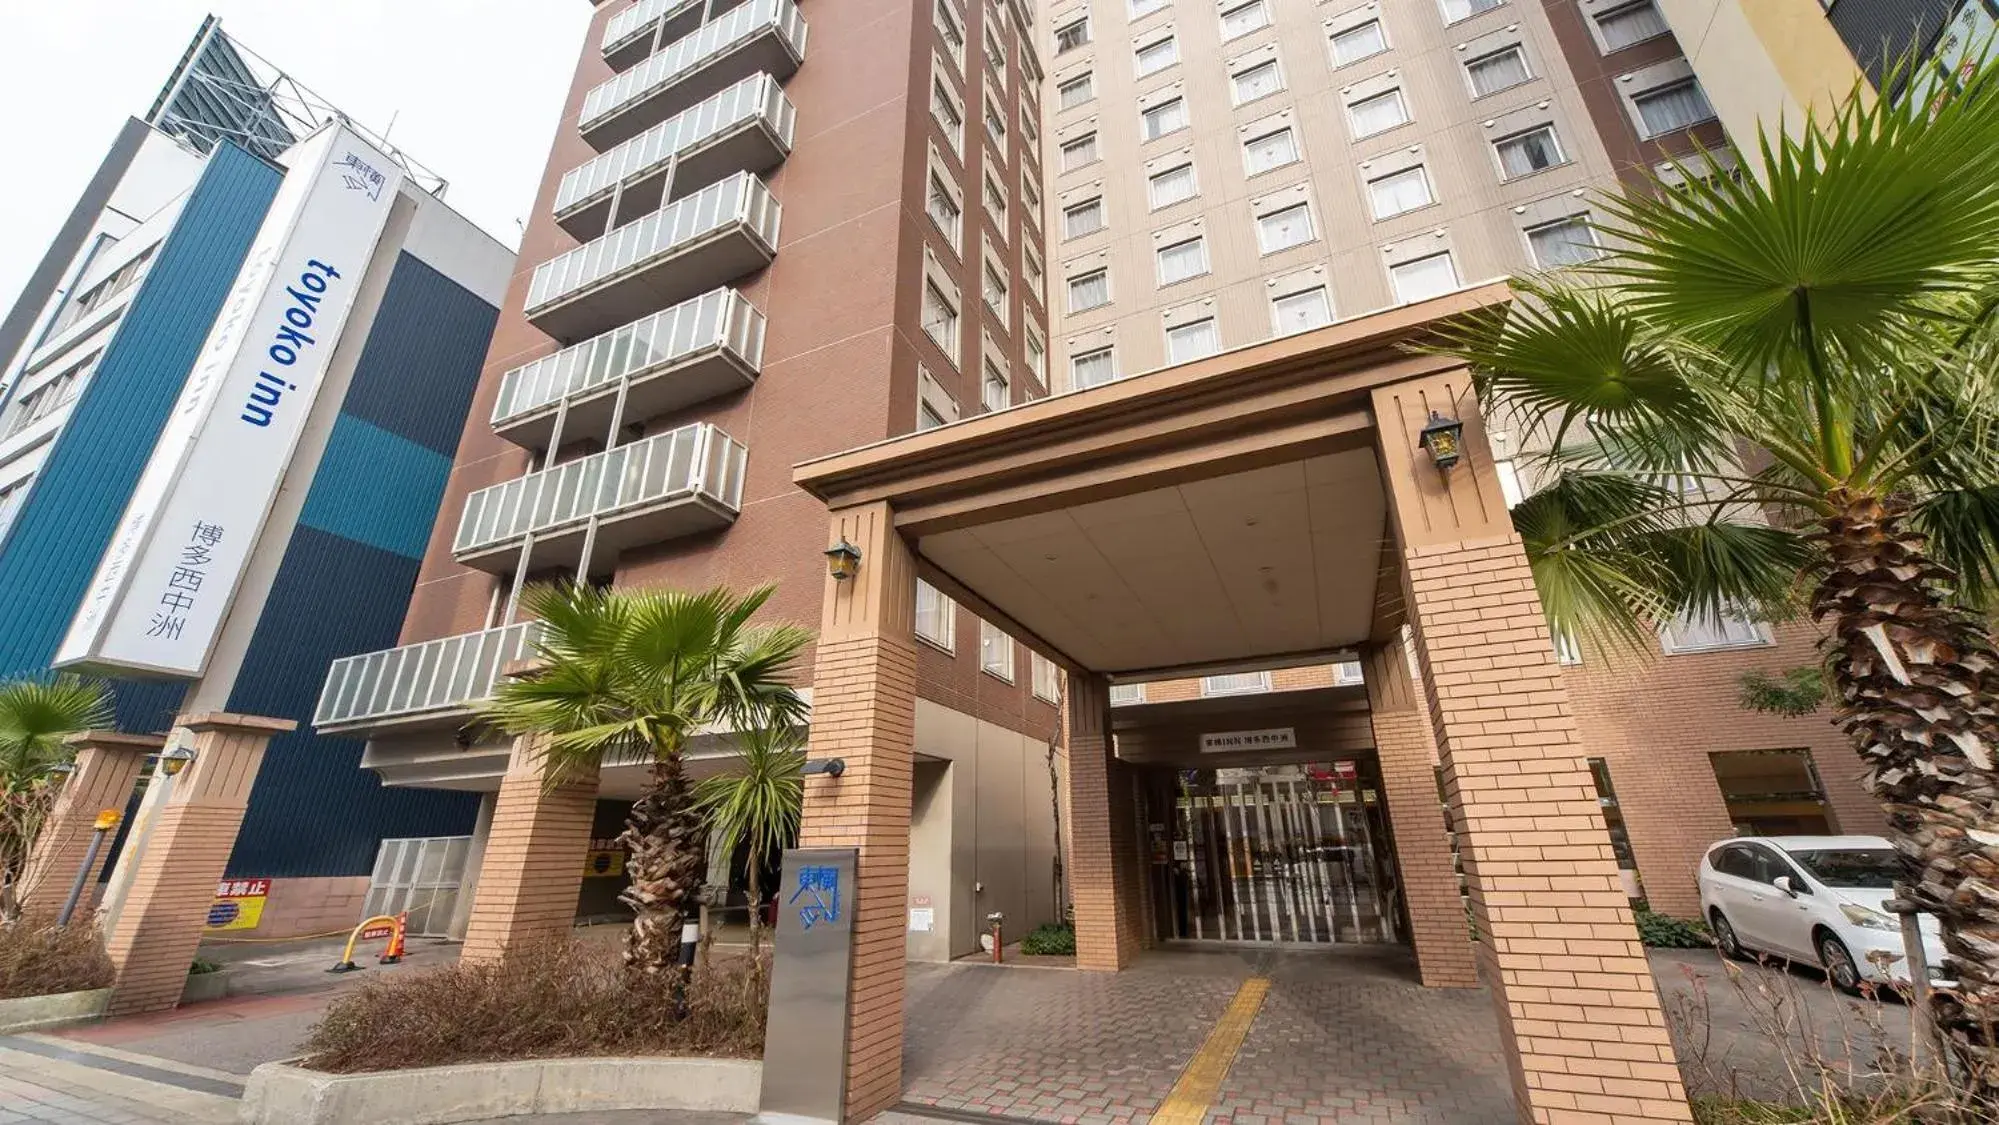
<point>165,584</point>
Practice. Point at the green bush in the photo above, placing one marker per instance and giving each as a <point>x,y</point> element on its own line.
<point>1662,932</point>
<point>202,967</point>
<point>1048,939</point>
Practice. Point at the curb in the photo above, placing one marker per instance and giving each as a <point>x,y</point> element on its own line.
<point>280,1093</point>
<point>57,1009</point>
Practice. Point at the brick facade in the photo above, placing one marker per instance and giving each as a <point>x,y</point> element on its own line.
<point>533,865</point>
<point>1104,878</point>
<point>107,767</point>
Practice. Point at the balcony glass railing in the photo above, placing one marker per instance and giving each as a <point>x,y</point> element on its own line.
<point>692,462</point>
<point>685,55</point>
<point>649,152</point>
<point>440,675</point>
<point>637,21</point>
<point>722,319</point>
<point>740,199</point>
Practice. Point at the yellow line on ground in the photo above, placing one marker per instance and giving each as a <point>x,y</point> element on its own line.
<point>1191,1096</point>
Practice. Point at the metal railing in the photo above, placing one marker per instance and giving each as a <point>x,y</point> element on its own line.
<point>650,151</point>
<point>740,199</point>
<point>719,319</point>
<point>688,53</point>
<point>637,21</point>
<point>439,675</point>
<point>697,461</point>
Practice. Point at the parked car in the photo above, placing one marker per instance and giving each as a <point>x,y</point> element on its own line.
<point>1817,899</point>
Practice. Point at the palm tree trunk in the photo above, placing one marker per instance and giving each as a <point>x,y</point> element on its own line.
<point>665,841</point>
<point>1918,681</point>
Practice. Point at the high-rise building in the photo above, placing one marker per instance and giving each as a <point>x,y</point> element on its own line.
<point>233,386</point>
<point>767,231</point>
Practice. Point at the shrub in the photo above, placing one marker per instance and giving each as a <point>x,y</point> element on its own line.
<point>1049,938</point>
<point>38,958</point>
<point>561,998</point>
<point>1663,932</point>
<point>202,967</point>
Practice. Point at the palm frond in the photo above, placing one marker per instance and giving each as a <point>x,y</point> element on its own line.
<point>36,715</point>
<point>759,797</point>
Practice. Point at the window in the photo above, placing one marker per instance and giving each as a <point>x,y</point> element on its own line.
<point>1301,311</point>
<point>1143,8</point>
<point>1072,35</point>
<point>51,396</point>
<point>1047,678</point>
<point>1771,792</point>
<point>1164,118</point>
<point>1157,56</point>
<point>952,31</point>
<point>1613,816</point>
<point>1244,18</point>
<point>1567,651</point>
<point>1241,683</point>
<point>994,291</point>
<point>102,293</point>
<point>1455,10</point>
<point>1081,151</point>
<point>1182,260</point>
<point>1030,267</point>
<point>1378,113</point>
<point>1089,290</point>
<point>1564,242</point>
<point>1083,218</point>
<point>944,209</point>
<point>12,497</point>
<point>1030,196</point>
<point>1398,192</point>
<point>1424,277</point>
<point>1357,43</point>
<point>1526,153</point>
<point>1271,150</point>
<point>1347,673</point>
<point>927,416</point>
<point>1281,230</point>
<point>1092,368</point>
<point>1172,186</point>
<point>944,107</point>
<point>1259,81</point>
<point>940,318</point>
<point>1190,342</point>
<point>1075,91</point>
<point>994,44</point>
<point>1698,633</point>
<point>1497,71</point>
<point>1125,694</point>
<point>1672,107</point>
<point>995,125</point>
<point>995,652</point>
<point>995,201</point>
<point>1037,358</point>
<point>1629,23</point>
<point>936,616</point>
<point>996,393</point>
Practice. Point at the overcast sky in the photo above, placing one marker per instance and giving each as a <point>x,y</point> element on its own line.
<point>473,86</point>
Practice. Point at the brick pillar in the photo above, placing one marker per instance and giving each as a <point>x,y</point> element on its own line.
<point>107,767</point>
<point>1406,750</point>
<point>158,929</point>
<point>531,873</point>
<point>864,712</point>
<point>1585,1036</point>
<point>1104,879</point>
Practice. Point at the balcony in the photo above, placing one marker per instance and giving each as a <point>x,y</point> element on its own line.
<point>762,35</point>
<point>678,483</point>
<point>689,246</point>
<point>746,127</point>
<point>632,33</point>
<point>696,350</point>
<point>434,683</point>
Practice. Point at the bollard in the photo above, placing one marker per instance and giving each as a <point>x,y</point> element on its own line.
<point>107,819</point>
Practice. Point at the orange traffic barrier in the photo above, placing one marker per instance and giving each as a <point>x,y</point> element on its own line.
<point>395,922</point>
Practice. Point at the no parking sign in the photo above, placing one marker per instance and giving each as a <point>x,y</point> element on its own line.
<point>238,905</point>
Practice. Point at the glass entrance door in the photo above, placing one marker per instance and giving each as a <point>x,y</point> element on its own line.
<point>1283,854</point>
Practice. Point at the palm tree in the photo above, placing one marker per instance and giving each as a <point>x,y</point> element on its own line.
<point>35,717</point>
<point>631,675</point>
<point>758,802</point>
<point>1779,392</point>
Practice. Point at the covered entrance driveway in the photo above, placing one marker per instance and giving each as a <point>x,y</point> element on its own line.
<point>1261,508</point>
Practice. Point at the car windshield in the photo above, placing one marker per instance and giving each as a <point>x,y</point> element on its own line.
<point>1852,867</point>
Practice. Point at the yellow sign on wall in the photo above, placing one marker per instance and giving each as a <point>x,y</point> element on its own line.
<point>604,862</point>
<point>238,904</point>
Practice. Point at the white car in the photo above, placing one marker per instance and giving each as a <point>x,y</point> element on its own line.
<point>1817,899</point>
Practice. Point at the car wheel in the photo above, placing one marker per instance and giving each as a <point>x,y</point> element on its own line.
<point>1839,965</point>
<point>1725,939</point>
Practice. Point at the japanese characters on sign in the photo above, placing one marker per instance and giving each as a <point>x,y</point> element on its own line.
<point>817,897</point>
<point>238,904</point>
<point>184,584</point>
<point>1221,742</point>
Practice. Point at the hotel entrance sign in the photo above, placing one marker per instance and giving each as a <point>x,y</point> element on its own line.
<point>1223,742</point>
<point>805,1043</point>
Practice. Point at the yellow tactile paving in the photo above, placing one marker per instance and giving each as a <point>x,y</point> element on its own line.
<point>1191,1096</point>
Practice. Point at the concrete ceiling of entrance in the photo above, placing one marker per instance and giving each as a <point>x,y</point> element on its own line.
<point>1272,561</point>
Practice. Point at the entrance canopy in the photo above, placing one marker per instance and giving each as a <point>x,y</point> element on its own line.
<point>1221,513</point>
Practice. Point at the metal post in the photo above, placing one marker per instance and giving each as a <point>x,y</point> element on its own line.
<point>106,821</point>
<point>1927,1046</point>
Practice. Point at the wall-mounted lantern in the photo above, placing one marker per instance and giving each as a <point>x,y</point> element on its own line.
<point>176,760</point>
<point>1443,440</point>
<point>843,560</point>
